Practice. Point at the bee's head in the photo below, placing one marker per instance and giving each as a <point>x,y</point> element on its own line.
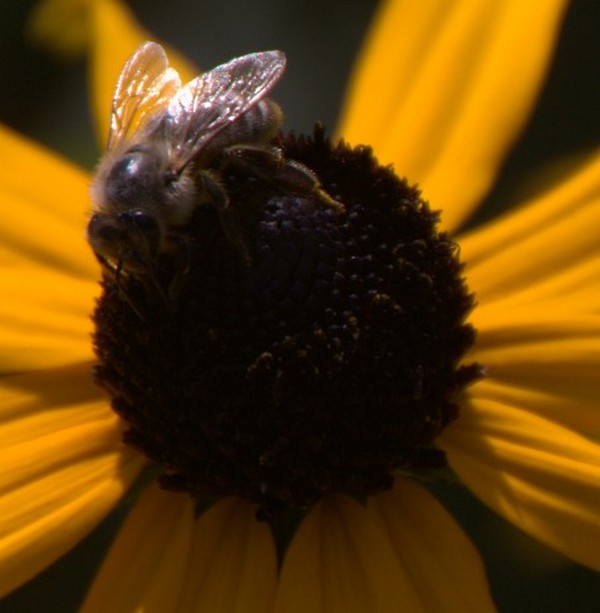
<point>143,179</point>
<point>130,239</point>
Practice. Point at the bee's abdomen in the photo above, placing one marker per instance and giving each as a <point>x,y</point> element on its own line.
<point>257,125</point>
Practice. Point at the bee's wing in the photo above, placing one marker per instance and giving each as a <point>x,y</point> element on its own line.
<point>145,86</point>
<point>215,99</point>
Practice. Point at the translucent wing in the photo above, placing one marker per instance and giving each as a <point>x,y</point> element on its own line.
<point>145,87</point>
<point>215,99</point>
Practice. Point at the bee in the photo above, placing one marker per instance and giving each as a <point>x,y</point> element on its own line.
<point>168,147</point>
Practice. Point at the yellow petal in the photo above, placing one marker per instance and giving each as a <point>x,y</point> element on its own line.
<point>571,401</point>
<point>535,473</point>
<point>574,289</point>
<point>45,203</point>
<point>145,568</point>
<point>543,358</point>
<point>47,268</point>
<point>546,248</point>
<point>44,319</point>
<point>64,468</point>
<point>402,552</point>
<point>115,36</point>
<point>233,567</point>
<point>166,560</point>
<point>443,89</point>
<point>60,25</point>
<point>435,551</point>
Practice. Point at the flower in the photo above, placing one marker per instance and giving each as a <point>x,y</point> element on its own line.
<point>523,441</point>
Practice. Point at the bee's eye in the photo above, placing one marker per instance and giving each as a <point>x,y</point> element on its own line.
<point>141,220</point>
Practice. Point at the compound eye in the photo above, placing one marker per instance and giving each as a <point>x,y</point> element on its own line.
<point>95,223</point>
<point>139,222</point>
<point>139,219</point>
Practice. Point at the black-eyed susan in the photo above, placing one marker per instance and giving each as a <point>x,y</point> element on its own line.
<point>376,378</point>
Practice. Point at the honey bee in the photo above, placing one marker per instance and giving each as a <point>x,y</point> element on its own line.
<point>169,145</point>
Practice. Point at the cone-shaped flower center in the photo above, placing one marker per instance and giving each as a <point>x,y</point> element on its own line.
<point>324,361</point>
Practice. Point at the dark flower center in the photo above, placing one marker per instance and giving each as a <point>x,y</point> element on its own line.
<point>326,363</point>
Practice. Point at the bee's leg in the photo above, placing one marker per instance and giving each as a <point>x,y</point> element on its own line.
<point>269,164</point>
<point>264,161</point>
<point>107,266</point>
<point>182,266</point>
<point>228,217</point>
<point>301,178</point>
<point>214,190</point>
<point>115,273</point>
<point>122,293</point>
<point>157,287</point>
